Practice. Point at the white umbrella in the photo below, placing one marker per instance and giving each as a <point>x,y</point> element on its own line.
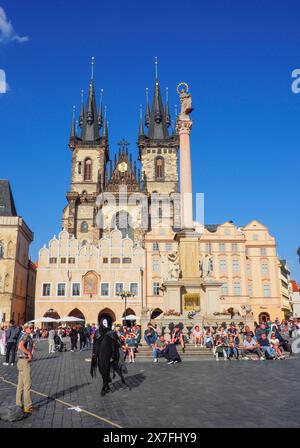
<point>130,317</point>
<point>43,320</point>
<point>70,319</point>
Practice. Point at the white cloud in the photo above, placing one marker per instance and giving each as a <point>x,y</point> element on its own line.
<point>7,32</point>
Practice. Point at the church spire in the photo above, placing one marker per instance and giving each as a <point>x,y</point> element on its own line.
<point>90,130</point>
<point>100,118</point>
<point>167,113</point>
<point>141,127</point>
<point>81,116</point>
<point>157,127</point>
<point>147,114</point>
<point>73,131</point>
<point>105,125</point>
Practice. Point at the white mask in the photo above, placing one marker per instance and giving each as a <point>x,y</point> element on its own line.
<point>105,323</point>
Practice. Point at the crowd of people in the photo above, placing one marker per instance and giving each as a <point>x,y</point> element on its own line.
<point>268,340</point>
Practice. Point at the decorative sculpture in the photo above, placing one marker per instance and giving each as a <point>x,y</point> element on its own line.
<point>206,266</point>
<point>185,100</point>
<point>173,266</point>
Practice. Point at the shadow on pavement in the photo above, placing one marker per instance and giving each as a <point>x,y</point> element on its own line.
<point>131,381</point>
<point>59,394</point>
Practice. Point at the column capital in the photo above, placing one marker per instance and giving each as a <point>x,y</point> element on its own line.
<point>184,126</point>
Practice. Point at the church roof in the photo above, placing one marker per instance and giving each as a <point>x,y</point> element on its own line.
<point>7,203</point>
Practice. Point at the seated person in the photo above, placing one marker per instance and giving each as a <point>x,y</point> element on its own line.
<point>222,332</point>
<point>219,348</point>
<point>197,336</point>
<point>208,338</point>
<point>159,348</point>
<point>150,334</point>
<point>171,354</point>
<point>232,347</point>
<point>261,329</point>
<point>265,346</point>
<point>251,346</point>
<point>283,343</point>
<point>247,331</point>
<point>178,338</point>
<point>274,343</point>
<point>233,331</point>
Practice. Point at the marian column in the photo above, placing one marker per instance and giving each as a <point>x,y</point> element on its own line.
<point>183,127</point>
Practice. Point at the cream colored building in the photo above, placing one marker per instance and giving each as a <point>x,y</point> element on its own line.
<point>17,274</point>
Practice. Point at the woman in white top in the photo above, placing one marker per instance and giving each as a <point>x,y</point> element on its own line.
<point>197,336</point>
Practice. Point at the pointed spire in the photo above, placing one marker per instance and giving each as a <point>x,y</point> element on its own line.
<point>167,113</point>
<point>141,127</point>
<point>158,128</point>
<point>147,114</point>
<point>105,125</point>
<point>90,130</point>
<point>73,130</point>
<point>81,116</point>
<point>100,118</point>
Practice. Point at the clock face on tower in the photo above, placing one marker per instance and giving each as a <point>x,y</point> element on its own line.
<point>122,167</point>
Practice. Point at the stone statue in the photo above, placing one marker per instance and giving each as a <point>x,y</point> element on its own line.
<point>173,266</point>
<point>206,266</point>
<point>185,100</point>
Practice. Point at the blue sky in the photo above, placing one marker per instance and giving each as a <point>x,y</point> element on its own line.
<point>236,56</point>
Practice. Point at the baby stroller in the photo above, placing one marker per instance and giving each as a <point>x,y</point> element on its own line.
<point>59,345</point>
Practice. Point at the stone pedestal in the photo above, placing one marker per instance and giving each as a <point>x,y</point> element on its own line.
<point>211,296</point>
<point>188,243</point>
<point>172,295</point>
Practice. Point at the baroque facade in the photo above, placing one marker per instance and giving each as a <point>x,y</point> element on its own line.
<point>126,228</point>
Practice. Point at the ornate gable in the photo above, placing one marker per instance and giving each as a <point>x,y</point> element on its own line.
<point>124,172</point>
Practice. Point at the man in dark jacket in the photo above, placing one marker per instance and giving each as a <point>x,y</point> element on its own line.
<point>12,335</point>
<point>74,338</point>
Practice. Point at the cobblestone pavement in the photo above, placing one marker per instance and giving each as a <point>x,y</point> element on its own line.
<point>192,394</point>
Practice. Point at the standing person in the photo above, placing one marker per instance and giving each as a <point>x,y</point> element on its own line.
<point>74,338</point>
<point>25,347</point>
<point>2,340</point>
<point>130,344</point>
<point>12,335</point>
<point>37,334</point>
<point>51,340</point>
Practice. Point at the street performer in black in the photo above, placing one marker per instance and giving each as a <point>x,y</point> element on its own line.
<point>106,354</point>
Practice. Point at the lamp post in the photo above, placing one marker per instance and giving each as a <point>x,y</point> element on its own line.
<point>125,295</point>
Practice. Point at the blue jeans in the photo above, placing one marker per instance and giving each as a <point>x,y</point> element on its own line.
<point>156,353</point>
<point>269,350</point>
<point>232,351</point>
<point>150,339</point>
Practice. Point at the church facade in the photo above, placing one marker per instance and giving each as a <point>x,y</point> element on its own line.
<point>129,245</point>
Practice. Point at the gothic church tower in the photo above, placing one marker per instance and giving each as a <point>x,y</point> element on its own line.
<point>90,154</point>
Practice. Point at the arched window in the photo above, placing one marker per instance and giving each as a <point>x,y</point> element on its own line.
<point>1,250</point>
<point>84,228</point>
<point>159,168</point>
<point>88,169</point>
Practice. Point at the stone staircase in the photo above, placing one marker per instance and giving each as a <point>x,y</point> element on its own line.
<point>191,353</point>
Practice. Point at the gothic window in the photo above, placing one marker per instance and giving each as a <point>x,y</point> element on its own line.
<point>159,167</point>
<point>79,167</point>
<point>88,169</point>
<point>1,250</point>
<point>84,227</point>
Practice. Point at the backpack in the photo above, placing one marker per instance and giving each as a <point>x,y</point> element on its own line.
<point>209,344</point>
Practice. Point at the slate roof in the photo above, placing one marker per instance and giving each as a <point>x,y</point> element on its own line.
<point>7,203</point>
